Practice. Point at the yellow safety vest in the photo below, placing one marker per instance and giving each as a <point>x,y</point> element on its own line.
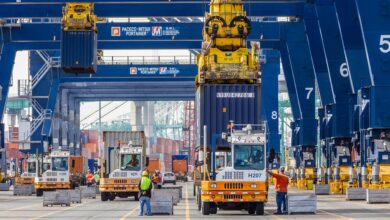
<point>145,183</point>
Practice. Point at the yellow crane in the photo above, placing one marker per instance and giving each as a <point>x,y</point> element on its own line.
<point>225,56</point>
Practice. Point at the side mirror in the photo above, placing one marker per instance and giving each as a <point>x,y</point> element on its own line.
<point>147,161</point>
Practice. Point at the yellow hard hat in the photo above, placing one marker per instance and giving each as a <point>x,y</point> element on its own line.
<point>145,173</point>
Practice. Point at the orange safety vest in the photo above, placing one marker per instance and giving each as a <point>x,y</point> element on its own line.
<point>89,178</point>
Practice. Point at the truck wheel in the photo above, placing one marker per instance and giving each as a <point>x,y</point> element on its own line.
<point>39,192</point>
<point>199,202</point>
<point>213,208</point>
<point>260,208</point>
<point>136,197</point>
<point>205,208</point>
<point>104,196</point>
<point>251,208</point>
<point>111,197</point>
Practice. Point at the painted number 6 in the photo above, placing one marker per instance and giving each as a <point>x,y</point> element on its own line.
<point>344,71</point>
<point>384,44</point>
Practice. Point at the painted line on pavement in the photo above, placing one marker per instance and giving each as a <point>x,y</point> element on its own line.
<point>129,214</point>
<point>187,204</point>
<point>335,215</point>
<point>54,212</point>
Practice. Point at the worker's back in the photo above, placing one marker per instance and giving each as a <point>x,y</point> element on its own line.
<point>281,182</point>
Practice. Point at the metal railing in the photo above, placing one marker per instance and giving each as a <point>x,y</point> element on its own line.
<point>146,60</point>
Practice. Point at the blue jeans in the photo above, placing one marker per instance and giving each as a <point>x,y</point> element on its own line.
<point>142,201</point>
<point>281,201</point>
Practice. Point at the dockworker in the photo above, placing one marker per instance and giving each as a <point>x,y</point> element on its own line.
<point>89,178</point>
<point>281,184</point>
<point>145,191</point>
<point>156,179</point>
<point>96,178</point>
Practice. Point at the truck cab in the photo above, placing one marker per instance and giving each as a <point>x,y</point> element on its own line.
<point>123,182</point>
<point>241,184</point>
<point>29,175</point>
<point>65,172</point>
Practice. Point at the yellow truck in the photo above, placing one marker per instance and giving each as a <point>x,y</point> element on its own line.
<point>243,183</point>
<point>35,166</point>
<point>126,163</point>
<point>66,172</point>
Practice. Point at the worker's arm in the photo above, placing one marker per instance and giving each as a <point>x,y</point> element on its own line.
<point>274,175</point>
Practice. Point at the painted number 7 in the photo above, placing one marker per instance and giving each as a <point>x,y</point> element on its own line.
<point>309,91</point>
<point>385,44</point>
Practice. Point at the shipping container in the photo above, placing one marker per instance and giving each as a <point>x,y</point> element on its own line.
<point>92,165</point>
<point>180,163</point>
<point>217,104</point>
<point>111,139</point>
<point>79,51</point>
<point>154,164</point>
<point>77,164</point>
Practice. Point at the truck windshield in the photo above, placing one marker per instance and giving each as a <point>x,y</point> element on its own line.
<point>60,164</point>
<point>45,166</point>
<point>220,161</point>
<point>248,157</point>
<point>131,162</point>
<point>31,167</point>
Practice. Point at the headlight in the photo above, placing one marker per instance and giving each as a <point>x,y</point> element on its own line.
<point>253,185</point>
<point>213,185</point>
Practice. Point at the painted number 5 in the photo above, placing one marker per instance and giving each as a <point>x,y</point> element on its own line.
<point>309,91</point>
<point>385,44</point>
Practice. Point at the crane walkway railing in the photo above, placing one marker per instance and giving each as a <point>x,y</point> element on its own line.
<point>146,60</point>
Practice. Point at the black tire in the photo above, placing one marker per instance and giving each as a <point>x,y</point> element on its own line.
<point>251,209</point>
<point>39,192</point>
<point>104,196</point>
<point>213,208</point>
<point>199,202</point>
<point>205,208</point>
<point>111,197</point>
<point>260,208</point>
<point>136,198</point>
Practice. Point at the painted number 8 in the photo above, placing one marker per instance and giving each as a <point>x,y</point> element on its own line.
<point>274,115</point>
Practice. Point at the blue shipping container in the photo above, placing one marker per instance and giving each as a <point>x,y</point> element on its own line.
<point>180,157</point>
<point>79,51</point>
<point>217,104</point>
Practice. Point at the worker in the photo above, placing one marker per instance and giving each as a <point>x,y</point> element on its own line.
<point>89,178</point>
<point>145,188</point>
<point>133,162</point>
<point>281,184</point>
<point>156,179</point>
<point>96,178</point>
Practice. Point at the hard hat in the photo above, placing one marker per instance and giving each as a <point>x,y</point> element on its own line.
<point>145,173</point>
<point>281,169</point>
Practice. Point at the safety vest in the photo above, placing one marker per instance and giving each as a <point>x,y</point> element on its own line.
<point>145,183</point>
<point>89,178</point>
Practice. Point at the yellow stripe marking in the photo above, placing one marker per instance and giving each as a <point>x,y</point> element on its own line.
<point>129,214</point>
<point>54,212</point>
<point>335,215</point>
<point>187,204</point>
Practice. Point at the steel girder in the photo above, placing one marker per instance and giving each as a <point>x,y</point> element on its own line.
<point>143,8</point>
<point>270,110</point>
